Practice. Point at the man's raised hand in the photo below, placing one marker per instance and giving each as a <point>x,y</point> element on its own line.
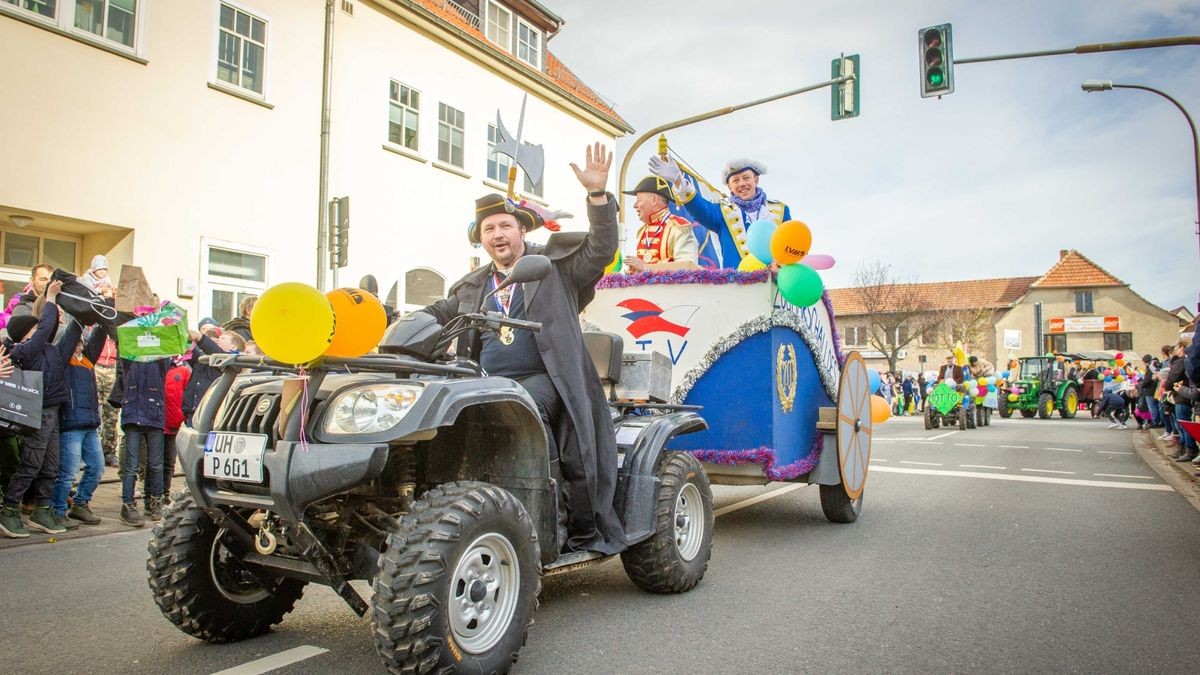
<point>594,175</point>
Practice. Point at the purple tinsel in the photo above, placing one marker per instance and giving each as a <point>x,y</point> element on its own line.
<point>701,276</point>
<point>837,337</point>
<point>766,457</point>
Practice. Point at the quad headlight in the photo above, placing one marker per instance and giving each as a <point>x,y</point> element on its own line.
<point>370,409</point>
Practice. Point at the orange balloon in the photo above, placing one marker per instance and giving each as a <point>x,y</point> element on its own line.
<point>880,410</point>
<point>360,322</point>
<point>790,242</point>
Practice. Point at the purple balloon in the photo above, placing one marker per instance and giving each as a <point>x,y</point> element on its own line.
<point>818,261</point>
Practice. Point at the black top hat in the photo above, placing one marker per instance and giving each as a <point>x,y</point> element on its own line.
<point>490,205</point>
<point>658,186</point>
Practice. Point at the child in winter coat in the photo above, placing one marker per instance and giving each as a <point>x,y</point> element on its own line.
<point>143,418</point>
<point>80,432</point>
<point>38,468</point>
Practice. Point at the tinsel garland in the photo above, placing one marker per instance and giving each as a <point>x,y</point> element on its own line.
<point>701,276</point>
<point>766,457</point>
<point>760,324</point>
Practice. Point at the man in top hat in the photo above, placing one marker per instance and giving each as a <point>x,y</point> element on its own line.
<point>665,240</point>
<point>731,218</point>
<point>552,365</point>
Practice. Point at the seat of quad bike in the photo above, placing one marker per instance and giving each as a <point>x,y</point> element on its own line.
<point>605,350</point>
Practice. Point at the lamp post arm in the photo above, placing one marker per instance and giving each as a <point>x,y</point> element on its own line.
<point>629,154</point>
<point>1195,140</point>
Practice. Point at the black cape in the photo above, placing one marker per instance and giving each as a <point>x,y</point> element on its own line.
<point>586,442</point>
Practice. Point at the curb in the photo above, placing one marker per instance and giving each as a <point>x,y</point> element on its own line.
<point>1157,456</point>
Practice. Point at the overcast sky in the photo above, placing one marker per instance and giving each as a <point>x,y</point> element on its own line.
<point>990,181</point>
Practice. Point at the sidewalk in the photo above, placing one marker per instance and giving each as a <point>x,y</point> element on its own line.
<point>106,503</point>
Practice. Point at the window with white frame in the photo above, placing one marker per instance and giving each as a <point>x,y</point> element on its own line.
<point>21,249</point>
<point>499,25</point>
<point>404,104</point>
<point>497,163</point>
<point>529,40</point>
<point>232,274</point>
<point>241,49</point>
<point>451,123</point>
<point>109,21</point>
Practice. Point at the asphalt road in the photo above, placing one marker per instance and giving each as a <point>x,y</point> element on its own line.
<point>1026,546</point>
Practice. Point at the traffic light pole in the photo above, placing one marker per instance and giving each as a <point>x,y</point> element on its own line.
<point>700,118</point>
<point>1093,48</point>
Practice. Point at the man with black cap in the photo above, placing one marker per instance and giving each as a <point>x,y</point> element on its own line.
<point>731,218</point>
<point>552,365</point>
<point>665,240</point>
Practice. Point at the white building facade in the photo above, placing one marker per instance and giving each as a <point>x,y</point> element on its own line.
<point>183,136</point>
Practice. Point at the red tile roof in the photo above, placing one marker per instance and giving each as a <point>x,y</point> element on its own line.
<point>556,73</point>
<point>943,295</point>
<point>1074,270</point>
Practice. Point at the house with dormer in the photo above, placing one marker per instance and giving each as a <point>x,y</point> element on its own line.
<point>1076,306</point>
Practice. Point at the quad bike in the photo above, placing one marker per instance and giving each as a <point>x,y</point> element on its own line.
<point>417,471</point>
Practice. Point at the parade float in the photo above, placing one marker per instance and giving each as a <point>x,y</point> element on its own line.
<point>758,351</point>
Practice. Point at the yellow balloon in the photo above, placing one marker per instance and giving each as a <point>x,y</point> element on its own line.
<point>960,356</point>
<point>359,322</point>
<point>751,264</point>
<point>880,410</point>
<point>292,323</point>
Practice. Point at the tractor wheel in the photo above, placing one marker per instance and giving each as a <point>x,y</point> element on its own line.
<point>928,419</point>
<point>971,416</point>
<point>1003,409</point>
<point>1045,405</point>
<point>1028,413</point>
<point>987,417</point>
<point>1070,403</point>
<point>962,417</point>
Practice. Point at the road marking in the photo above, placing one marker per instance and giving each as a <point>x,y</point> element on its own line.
<point>970,445</point>
<point>1065,473</point>
<point>874,459</point>
<point>1022,447</point>
<point>1064,449</point>
<point>926,443</point>
<point>754,500</point>
<point>982,466</point>
<point>1114,452</point>
<point>1026,479</point>
<point>1122,475</point>
<point>934,438</point>
<point>274,661</point>
<point>920,463</point>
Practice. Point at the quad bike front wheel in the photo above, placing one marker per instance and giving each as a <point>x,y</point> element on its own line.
<point>458,582</point>
<point>203,588</point>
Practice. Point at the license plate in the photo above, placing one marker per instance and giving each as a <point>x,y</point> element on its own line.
<point>231,456</point>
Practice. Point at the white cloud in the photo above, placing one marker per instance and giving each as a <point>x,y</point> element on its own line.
<point>989,181</point>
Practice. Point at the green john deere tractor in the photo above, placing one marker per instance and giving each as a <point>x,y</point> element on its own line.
<point>1041,386</point>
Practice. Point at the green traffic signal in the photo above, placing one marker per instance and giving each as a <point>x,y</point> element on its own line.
<point>937,60</point>
<point>935,78</point>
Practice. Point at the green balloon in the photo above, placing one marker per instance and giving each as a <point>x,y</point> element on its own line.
<point>800,284</point>
<point>1112,363</point>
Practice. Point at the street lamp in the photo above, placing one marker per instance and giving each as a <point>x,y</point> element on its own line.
<point>1104,85</point>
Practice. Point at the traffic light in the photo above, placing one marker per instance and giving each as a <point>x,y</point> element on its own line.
<point>937,60</point>
<point>846,102</point>
<point>339,232</point>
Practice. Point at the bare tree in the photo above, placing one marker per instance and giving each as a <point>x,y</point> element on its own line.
<point>896,311</point>
<point>967,327</point>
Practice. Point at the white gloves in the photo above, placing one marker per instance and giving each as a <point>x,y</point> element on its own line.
<point>668,169</point>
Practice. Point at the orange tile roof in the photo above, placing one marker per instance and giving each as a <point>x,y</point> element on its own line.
<point>1073,269</point>
<point>557,73</point>
<point>943,295</point>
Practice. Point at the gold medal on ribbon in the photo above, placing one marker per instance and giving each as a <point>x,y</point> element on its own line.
<point>506,335</point>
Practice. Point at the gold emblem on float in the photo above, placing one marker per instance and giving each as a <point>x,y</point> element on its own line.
<point>786,376</point>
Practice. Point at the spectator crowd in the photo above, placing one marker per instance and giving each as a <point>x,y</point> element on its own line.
<point>97,408</point>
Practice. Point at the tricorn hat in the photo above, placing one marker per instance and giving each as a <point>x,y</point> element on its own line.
<point>490,205</point>
<point>658,186</point>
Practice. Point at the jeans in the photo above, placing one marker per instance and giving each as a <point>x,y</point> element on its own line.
<point>134,433</point>
<point>1152,405</point>
<point>1183,411</point>
<point>168,470</point>
<point>77,444</point>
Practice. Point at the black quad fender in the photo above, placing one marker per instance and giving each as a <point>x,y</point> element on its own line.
<point>643,442</point>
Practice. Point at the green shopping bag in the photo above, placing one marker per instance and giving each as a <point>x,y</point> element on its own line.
<point>159,334</point>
